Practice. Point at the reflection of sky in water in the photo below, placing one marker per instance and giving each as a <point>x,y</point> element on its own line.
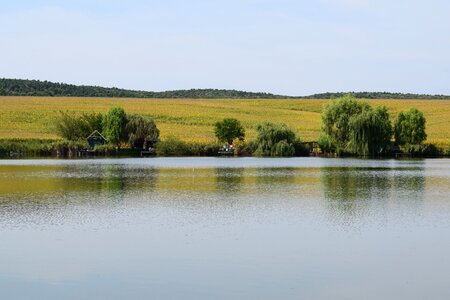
<point>224,228</point>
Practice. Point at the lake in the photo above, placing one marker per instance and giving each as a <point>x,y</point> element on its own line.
<point>225,228</point>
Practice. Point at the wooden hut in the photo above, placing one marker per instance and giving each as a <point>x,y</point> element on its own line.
<point>95,139</point>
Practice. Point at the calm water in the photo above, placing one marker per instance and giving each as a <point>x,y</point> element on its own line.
<point>210,228</point>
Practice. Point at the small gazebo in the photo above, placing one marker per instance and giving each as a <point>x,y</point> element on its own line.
<point>96,139</point>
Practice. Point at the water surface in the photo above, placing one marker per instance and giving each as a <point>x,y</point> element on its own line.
<point>221,228</point>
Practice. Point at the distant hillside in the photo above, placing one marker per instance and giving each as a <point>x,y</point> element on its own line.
<point>20,87</point>
<point>377,95</point>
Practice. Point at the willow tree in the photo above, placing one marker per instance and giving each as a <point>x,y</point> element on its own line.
<point>409,127</point>
<point>335,120</point>
<point>275,140</point>
<point>370,132</point>
<point>140,128</point>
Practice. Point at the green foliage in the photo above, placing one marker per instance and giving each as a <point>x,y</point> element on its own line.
<point>19,87</point>
<point>422,150</point>
<point>377,95</point>
<point>409,127</point>
<point>326,144</point>
<point>67,148</point>
<point>229,129</point>
<point>370,132</point>
<point>28,147</point>
<point>105,149</point>
<point>335,120</point>
<point>114,124</point>
<point>140,128</point>
<point>275,140</point>
<point>171,146</point>
<point>77,127</point>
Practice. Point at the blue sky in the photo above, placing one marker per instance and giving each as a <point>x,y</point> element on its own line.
<point>284,46</point>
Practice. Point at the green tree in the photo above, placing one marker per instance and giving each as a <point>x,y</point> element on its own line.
<point>275,140</point>
<point>114,124</point>
<point>370,132</point>
<point>229,129</point>
<point>140,128</point>
<point>409,127</point>
<point>335,120</point>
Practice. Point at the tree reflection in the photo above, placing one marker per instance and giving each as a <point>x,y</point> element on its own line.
<point>229,180</point>
<point>351,192</point>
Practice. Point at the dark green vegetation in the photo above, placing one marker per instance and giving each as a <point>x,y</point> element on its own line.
<point>21,87</point>
<point>229,129</point>
<point>409,127</point>
<point>74,128</point>
<point>117,127</point>
<point>276,140</point>
<point>352,127</point>
<point>378,95</point>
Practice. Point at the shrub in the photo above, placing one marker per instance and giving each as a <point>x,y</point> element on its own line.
<point>326,144</point>
<point>422,150</point>
<point>67,148</point>
<point>73,127</point>
<point>105,149</point>
<point>171,146</point>
<point>274,140</point>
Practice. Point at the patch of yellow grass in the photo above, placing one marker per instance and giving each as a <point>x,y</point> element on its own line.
<point>193,119</point>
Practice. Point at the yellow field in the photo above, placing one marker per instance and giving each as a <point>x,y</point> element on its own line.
<point>193,120</point>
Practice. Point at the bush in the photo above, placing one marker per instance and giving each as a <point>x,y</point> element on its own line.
<point>67,148</point>
<point>274,140</point>
<point>20,147</point>
<point>171,146</point>
<point>326,144</point>
<point>242,148</point>
<point>73,127</point>
<point>422,150</point>
<point>105,149</point>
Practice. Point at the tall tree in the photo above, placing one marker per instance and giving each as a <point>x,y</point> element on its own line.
<point>335,120</point>
<point>229,129</point>
<point>140,128</point>
<point>410,127</point>
<point>114,124</point>
<point>370,132</point>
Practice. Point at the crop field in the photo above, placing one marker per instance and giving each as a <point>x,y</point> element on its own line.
<point>193,120</point>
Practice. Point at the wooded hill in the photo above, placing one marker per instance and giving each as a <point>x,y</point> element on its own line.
<point>21,87</point>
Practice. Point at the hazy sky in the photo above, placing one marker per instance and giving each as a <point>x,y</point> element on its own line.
<point>292,47</point>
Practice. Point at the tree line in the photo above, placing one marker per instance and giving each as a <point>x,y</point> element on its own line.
<point>21,87</point>
<point>352,127</point>
<point>349,127</point>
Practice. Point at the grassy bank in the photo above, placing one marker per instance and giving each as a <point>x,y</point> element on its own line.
<point>192,120</point>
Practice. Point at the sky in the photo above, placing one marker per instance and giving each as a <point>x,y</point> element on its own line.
<point>290,47</point>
